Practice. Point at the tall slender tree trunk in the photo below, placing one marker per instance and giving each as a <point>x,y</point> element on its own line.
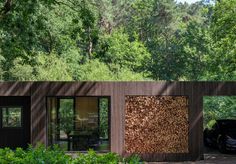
<point>90,44</point>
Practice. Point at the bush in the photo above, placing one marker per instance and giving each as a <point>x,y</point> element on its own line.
<point>54,155</point>
<point>39,155</point>
<point>93,158</point>
<point>133,159</point>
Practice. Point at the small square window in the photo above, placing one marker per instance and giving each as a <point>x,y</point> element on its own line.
<point>11,117</point>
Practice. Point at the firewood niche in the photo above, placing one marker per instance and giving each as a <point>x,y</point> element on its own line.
<point>156,124</point>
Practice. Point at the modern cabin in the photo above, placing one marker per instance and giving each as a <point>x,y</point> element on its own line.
<point>160,121</point>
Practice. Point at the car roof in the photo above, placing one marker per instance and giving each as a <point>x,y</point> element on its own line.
<point>226,123</point>
<point>226,120</point>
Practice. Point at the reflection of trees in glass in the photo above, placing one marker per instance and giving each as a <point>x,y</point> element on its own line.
<point>66,116</point>
<point>103,109</point>
<point>11,117</point>
<point>218,107</point>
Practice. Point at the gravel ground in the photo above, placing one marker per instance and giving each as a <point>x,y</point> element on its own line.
<point>211,156</point>
<point>209,159</point>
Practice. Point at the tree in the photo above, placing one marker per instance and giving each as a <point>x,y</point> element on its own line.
<point>223,34</point>
<point>197,49</point>
<point>95,70</point>
<point>118,51</point>
<point>21,71</point>
<point>44,27</point>
<point>1,67</point>
<point>43,67</point>
<point>156,39</point>
<point>221,107</point>
<point>20,28</point>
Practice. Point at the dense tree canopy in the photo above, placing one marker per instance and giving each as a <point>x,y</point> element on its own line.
<point>117,40</point>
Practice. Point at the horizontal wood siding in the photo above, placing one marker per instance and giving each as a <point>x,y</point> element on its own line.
<point>117,92</point>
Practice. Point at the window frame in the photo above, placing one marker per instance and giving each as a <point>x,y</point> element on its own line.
<point>21,117</point>
<point>74,97</point>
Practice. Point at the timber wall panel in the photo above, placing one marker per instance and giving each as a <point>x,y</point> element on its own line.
<point>87,89</point>
<point>15,88</point>
<point>39,91</point>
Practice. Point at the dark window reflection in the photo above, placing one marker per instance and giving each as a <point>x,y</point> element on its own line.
<point>11,117</point>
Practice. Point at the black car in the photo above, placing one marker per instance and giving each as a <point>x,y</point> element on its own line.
<point>222,135</point>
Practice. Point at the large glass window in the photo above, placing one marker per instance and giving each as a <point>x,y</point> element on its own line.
<point>65,117</point>
<point>78,123</point>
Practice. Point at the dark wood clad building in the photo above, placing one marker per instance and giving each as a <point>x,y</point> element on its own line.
<point>135,110</point>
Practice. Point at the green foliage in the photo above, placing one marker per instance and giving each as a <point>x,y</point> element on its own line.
<point>124,74</point>
<point>1,67</point>
<point>118,51</point>
<point>109,158</point>
<point>196,47</point>
<point>21,70</point>
<point>210,124</point>
<point>103,118</point>
<point>223,30</point>
<point>161,26</point>
<point>117,40</point>
<point>92,158</point>
<point>53,155</point>
<point>66,116</point>
<point>41,67</point>
<point>133,159</point>
<point>220,107</point>
<point>95,70</point>
<point>43,155</point>
<point>32,155</point>
<point>50,67</point>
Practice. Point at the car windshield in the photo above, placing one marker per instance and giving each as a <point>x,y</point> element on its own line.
<point>230,125</point>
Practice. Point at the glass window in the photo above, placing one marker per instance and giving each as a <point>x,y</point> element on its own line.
<point>78,123</point>
<point>65,117</point>
<point>11,117</point>
<point>103,124</point>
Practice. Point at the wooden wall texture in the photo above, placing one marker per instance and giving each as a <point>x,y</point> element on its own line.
<point>117,92</point>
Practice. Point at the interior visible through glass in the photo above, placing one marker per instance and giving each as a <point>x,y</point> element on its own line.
<point>78,123</point>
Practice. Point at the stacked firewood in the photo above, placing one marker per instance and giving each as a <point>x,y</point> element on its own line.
<point>156,124</point>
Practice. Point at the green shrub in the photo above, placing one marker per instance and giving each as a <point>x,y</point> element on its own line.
<point>38,155</point>
<point>51,155</point>
<point>210,124</point>
<point>93,158</point>
<point>133,159</point>
<point>110,158</point>
<point>6,156</point>
<point>54,155</point>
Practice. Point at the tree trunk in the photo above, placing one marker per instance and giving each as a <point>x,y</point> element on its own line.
<point>90,45</point>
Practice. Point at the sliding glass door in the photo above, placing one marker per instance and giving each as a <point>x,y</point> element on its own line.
<point>78,123</point>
